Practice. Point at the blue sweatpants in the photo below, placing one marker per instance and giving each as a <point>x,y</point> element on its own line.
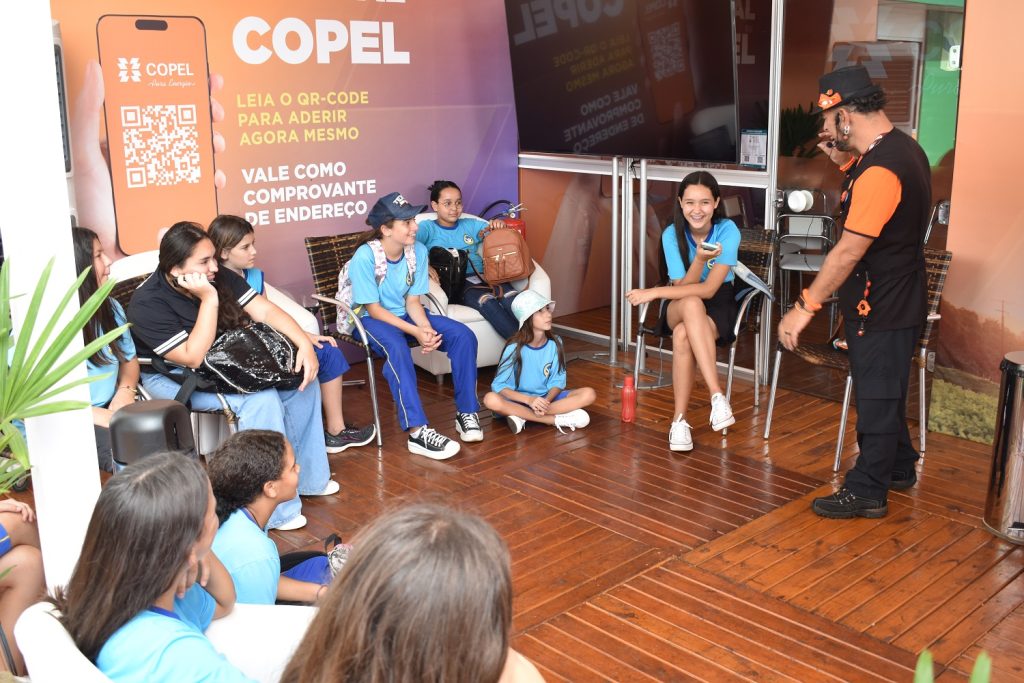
<point>332,362</point>
<point>390,343</point>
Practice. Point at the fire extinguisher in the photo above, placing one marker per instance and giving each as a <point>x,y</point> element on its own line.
<point>510,215</point>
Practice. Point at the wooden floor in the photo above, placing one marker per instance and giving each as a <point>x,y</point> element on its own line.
<point>633,563</point>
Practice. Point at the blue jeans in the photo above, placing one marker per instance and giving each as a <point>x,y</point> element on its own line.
<point>458,341</point>
<point>296,414</point>
<point>496,311</point>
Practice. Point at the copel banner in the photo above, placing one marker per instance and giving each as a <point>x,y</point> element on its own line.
<point>296,115</point>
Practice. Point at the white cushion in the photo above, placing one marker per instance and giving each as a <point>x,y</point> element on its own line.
<point>51,656</point>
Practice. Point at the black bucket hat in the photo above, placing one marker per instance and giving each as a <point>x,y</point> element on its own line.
<point>843,85</point>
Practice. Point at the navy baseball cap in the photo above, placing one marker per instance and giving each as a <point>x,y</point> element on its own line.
<point>843,85</point>
<point>391,207</point>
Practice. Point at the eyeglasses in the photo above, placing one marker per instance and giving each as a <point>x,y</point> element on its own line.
<point>449,203</point>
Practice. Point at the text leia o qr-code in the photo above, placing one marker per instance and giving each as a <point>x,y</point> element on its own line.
<point>161,144</point>
<point>667,58</point>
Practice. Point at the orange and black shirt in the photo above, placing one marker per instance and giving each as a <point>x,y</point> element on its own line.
<point>887,198</point>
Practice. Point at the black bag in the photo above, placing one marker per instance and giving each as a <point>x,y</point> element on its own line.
<point>450,266</point>
<point>250,359</point>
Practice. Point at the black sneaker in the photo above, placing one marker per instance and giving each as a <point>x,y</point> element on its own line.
<point>468,427</point>
<point>348,437</point>
<point>903,480</point>
<point>845,504</point>
<point>432,444</point>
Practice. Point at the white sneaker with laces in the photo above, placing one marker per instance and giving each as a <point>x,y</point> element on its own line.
<point>573,420</point>
<point>679,437</point>
<point>721,413</point>
<point>515,423</point>
<point>432,444</point>
<point>468,427</point>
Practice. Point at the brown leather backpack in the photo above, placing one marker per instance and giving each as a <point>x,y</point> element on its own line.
<point>506,257</point>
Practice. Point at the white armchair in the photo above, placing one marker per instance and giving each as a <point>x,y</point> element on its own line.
<point>489,343</point>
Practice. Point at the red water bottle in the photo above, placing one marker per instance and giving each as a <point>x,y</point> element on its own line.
<point>628,399</point>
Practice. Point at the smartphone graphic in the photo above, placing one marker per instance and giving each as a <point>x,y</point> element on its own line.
<point>159,124</point>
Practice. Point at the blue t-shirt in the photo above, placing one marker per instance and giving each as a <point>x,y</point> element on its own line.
<point>396,285</point>
<point>723,232</point>
<point>250,557</point>
<point>462,235</point>
<point>155,646</point>
<point>540,372</point>
<point>102,391</point>
<point>254,276</point>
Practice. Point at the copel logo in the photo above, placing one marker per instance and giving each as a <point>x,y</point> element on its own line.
<point>128,69</point>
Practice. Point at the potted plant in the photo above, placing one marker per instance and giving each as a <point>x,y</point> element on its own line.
<point>32,378</point>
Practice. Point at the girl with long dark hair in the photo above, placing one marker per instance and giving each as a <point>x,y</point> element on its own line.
<point>235,241</point>
<point>120,387</point>
<point>702,306</point>
<point>177,314</point>
<point>529,385</point>
<point>133,604</point>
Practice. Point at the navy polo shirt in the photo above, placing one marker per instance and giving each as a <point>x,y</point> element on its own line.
<point>162,317</point>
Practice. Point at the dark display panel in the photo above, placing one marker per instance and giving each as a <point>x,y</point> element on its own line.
<point>640,78</point>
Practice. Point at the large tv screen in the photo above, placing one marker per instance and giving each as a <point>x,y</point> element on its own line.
<point>638,78</point>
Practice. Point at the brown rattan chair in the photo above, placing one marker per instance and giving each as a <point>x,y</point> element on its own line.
<point>122,293</point>
<point>326,257</point>
<point>756,252</point>
<point>826,355</point>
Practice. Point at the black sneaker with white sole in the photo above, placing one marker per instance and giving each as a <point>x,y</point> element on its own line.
<point>349,437</point>
<point>432,444</point>
<point>468,427</point>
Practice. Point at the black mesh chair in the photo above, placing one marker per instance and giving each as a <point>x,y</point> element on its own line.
<point>756,253</point>
<point>827,355</point>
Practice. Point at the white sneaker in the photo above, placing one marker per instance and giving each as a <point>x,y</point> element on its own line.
<point>296,522</point>
<point>432,444</point>
<point>468,427</point>
<point>679,437</point>
<point>331,488</point>
<point>721,413</point>
<point>573,420</point>
<point>515,423</point>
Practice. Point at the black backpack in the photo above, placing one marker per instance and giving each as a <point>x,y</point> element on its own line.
<point>450,266</point>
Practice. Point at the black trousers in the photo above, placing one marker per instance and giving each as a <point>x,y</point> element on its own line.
<point>880,363</point>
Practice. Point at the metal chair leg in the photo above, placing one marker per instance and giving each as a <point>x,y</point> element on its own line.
<point>771,393</point>
<point>842,422</point>
<point>373,394</point>
<point>757,370</point>
<point>922,417</point>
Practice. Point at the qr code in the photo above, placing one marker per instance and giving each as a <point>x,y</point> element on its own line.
<point>667,58</point>
<point>161,144</point>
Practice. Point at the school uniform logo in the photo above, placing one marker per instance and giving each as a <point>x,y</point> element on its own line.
<point>468,239</point>
<point>711,263</point>
<point>547,370</point>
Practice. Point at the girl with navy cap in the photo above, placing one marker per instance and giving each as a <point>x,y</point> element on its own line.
<point>389,273</point>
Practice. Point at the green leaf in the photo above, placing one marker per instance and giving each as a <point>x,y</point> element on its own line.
<point>924,672</point>
<point>55,407</point>
<point>982,671</point>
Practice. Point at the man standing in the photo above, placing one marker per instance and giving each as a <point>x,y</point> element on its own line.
<point>878,267</point>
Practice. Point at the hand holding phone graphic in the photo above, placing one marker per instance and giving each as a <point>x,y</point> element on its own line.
<point>159,123</point>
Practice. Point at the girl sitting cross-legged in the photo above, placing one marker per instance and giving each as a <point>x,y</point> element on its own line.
<point>529,385</point>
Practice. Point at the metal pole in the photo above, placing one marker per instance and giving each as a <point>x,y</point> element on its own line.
<point>774,112</point>
<point>627,249</point>
<point>642,249</point>
<point>616,236</point>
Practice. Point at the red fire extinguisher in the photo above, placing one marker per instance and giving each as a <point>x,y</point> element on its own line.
<point>511,215</point>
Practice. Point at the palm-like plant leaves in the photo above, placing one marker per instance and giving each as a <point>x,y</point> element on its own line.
<point>29,380</point>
